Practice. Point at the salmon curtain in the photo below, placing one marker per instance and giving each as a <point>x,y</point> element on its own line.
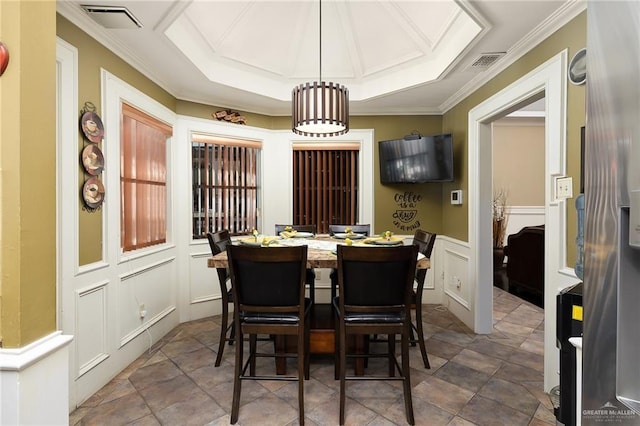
<point>143,179</point>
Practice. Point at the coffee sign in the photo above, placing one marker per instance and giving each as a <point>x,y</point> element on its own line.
<point>404,218</point>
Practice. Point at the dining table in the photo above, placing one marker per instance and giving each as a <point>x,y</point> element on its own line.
<point>321,253</point>
<point>321,249</point>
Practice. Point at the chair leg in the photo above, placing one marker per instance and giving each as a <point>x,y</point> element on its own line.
<point>302,366</point>
<point>253,339</point>
<point>391,351</point>
<point>412,338</point>
<point>334,284</point>
<point>311,281</point>
<point>406,374</point>
<point>223,333</point>
<point>420,333</point>
<point>336,348</point>
<point>237,383</point>
<point>307,349</point>
<point>343,368</point>
<point>232,332</point>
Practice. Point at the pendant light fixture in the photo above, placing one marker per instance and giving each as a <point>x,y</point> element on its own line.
<point>320,108</point>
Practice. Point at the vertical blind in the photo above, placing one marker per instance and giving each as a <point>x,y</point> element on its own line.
<point>143,179</point>
<point>225,184</point>
<point>325,185</point>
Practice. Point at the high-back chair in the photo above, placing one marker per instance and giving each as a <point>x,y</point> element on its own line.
<point>218,241</point>
<point>268,293</point>
<point>299,228</point>
<point>425,241</point>
<point>364,229</point>
<point>358,229</point>
<point>310,278</point>
<point>375,286</point>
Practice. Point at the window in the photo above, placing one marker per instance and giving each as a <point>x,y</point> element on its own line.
<point>325,184</point>
<point>225,184</point>
<point>143,179</point>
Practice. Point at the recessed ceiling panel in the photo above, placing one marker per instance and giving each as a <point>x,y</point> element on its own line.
<point>276,44</point>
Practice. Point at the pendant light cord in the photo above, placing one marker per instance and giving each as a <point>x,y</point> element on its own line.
<point>320,38</point>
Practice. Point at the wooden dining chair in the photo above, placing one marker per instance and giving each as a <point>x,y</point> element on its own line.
<point>310,278</point>
<point>300,228</point>
<point>218,242</point>
<point>375,294</point>
<point>269,298</point>
<point>425,241</point>
<point>358,229</point>
<point>364,229</point>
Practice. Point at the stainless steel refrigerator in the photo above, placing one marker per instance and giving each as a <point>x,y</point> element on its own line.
<point>611,341</point>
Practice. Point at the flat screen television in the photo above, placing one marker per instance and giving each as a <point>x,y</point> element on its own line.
<point>417,159</point>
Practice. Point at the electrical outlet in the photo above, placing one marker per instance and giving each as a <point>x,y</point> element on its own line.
<point>457,282</point>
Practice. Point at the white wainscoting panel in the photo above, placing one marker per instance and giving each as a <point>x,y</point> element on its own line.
<point>204,288</point>
<point>458,285</point>
<point>434,282</point>
<point>91,326</point>
<point>521,216</point>
<point>150,286</point>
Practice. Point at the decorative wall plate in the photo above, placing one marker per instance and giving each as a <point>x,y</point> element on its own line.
<point>92,160</point>
<point>92,126</point>
<point>4,57</point>
<point>93,193</point>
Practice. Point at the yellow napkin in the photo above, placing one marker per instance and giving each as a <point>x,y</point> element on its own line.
<point>288,234</point>
<point>371,240</point>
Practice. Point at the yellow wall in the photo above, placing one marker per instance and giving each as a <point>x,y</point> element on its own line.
<point>573,37</point>
<point>92,56</point>
<point>28,179</point>
<point>428,196</point>
<point>425,198</point>
<point>518,163</point>
<point>27,153</point>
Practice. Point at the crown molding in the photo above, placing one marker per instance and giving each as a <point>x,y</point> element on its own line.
<point>79,18</point>
<point>553,23</point>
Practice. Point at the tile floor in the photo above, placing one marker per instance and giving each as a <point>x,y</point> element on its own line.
<point>474,380</point>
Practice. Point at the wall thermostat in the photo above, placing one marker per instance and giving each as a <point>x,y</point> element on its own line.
<point>456,196</point>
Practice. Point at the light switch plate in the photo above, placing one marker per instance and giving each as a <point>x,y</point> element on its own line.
<point>564,187</point>
<point>456,197</point>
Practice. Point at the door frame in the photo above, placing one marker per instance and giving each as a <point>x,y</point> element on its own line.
<point>548,80</point>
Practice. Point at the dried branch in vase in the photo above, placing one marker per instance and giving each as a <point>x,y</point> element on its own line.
<point>500,217</point>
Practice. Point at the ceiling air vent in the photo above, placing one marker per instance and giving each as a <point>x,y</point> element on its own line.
<point>485,60</point>
<point>112,16</point>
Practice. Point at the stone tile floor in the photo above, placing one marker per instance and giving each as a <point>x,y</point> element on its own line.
<point>474,379</point>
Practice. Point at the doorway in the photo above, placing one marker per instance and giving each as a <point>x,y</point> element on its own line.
<point>518,160</point>
<point>548,81</point>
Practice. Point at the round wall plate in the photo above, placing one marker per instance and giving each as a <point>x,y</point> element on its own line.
<point>4,57</point>
<point>577,72</point>
<point>92,126</point>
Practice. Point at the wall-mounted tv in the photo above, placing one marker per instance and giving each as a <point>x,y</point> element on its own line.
<point>417,159</point>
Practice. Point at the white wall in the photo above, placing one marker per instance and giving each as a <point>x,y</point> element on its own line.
<point>200,296</point>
